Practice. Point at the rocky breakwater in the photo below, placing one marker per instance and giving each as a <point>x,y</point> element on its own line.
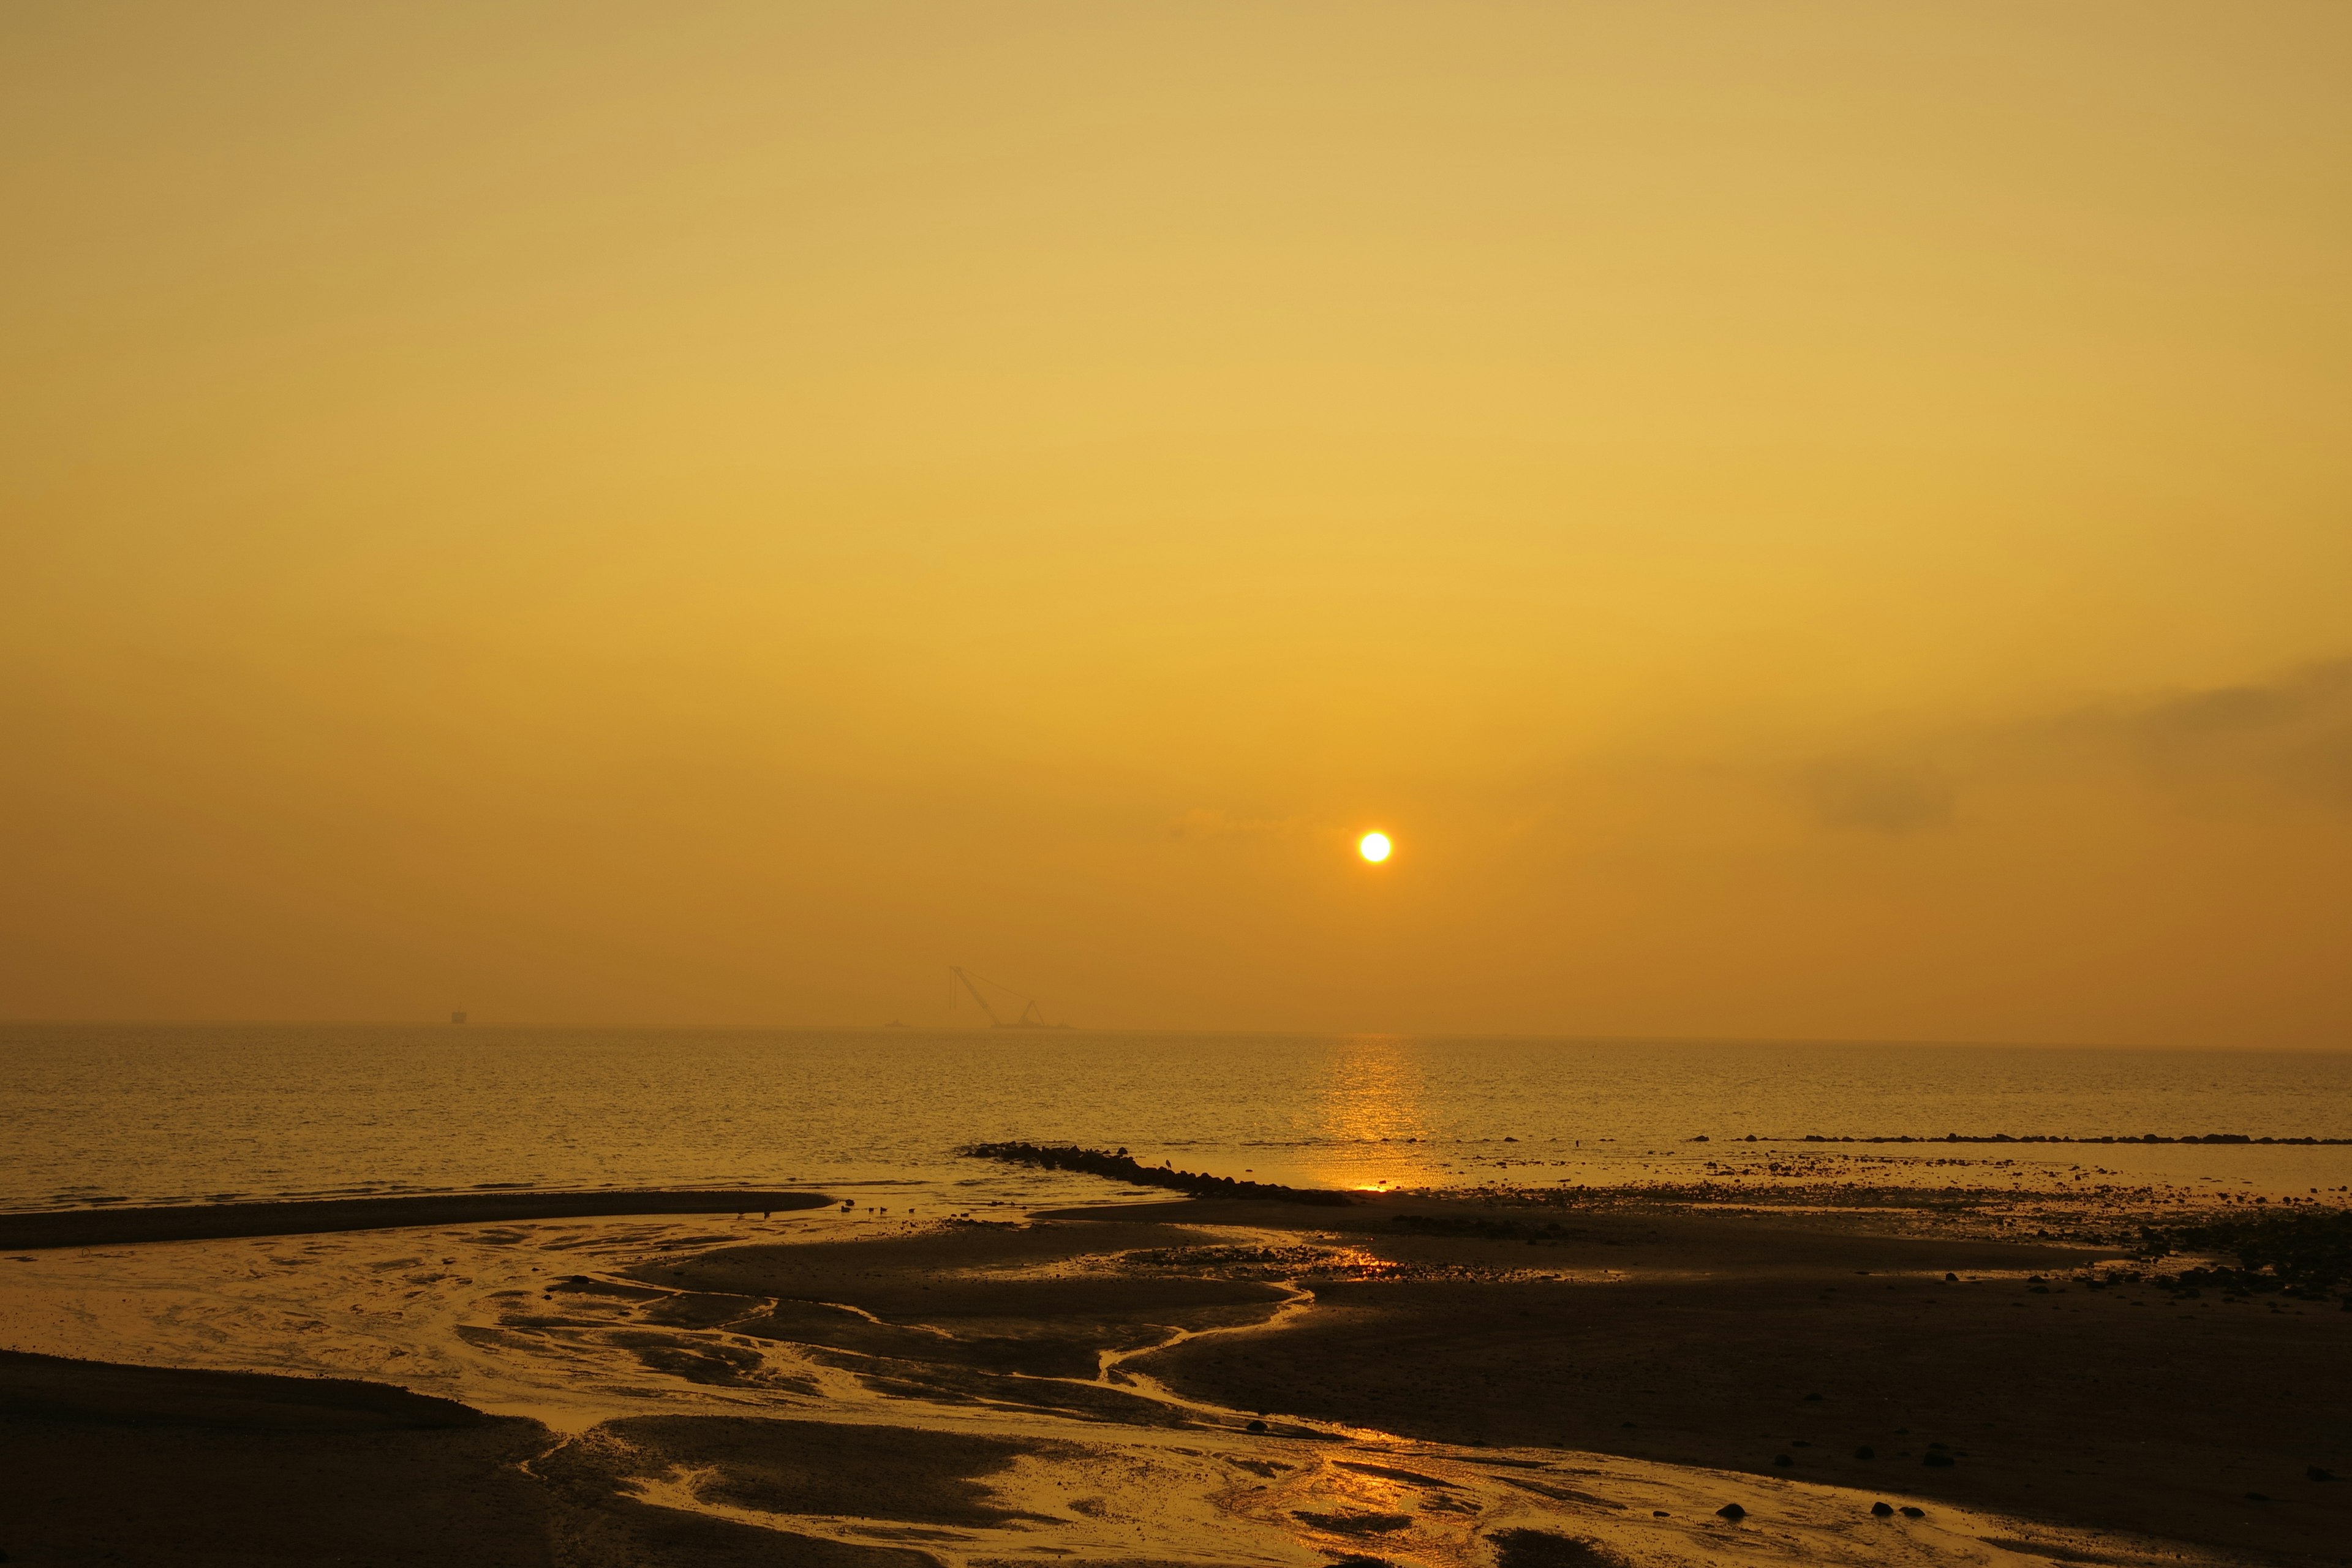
<point>1120,1167</point>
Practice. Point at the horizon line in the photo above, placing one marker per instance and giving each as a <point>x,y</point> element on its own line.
<point>895,1027</point>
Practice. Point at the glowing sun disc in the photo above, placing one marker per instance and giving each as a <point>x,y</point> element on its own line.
<point>1373,847</point>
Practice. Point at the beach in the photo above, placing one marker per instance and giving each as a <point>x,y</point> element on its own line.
<point>1078,785</point>
<point>1468,1378</point>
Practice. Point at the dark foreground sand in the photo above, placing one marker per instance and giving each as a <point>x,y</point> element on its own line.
<point>2115,1408</point>
<point>146,1466</point>
<point>1691,1336</point>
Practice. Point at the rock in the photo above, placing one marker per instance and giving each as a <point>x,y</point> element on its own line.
<point>1810,1399</point>
<point>1880,1510</point>
<point>2257,1497</point>
<point>1731,1510</point>
<point>2314,1473</point>
<point>1913,1512</point>
<point>1865,1452</point>
<point>1951,1278</point>
<point>1938,1461</point>
<point>1782,1461</point>
<point>1256,1427</point>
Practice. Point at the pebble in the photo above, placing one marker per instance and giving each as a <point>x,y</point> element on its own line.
<point>1731,1510</point>
<point>1881,1510</point>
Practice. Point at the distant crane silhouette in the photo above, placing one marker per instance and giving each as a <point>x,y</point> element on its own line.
<point>1030,1017</point>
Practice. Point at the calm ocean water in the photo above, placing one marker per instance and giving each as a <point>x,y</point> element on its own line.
<point>94,1114</point>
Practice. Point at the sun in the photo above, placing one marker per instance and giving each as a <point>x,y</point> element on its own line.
<point>1373,847</point>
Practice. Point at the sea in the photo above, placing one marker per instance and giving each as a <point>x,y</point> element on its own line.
<point>103,1114</point>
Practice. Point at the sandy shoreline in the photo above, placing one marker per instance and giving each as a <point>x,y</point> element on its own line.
<point>311,1217</point>
<point>1080,1388</point>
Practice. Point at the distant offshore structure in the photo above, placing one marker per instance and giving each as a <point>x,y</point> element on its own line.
<point>1030,1017</point>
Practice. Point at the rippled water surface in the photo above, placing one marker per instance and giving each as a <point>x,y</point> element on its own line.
<point>99,1114</point>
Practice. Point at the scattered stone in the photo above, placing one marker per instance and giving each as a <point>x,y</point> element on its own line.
<point>1256,1427</point>
<point>1951,1278</point>
<point>1782,1461</point>
<point>1938,1461</point>
<point>2314,1473</point>
<point>1881,1510</point>
<point>1810,1399</point>
<point>1865,1452</point>
<point>2257,1497</point>
<point>1913,1512</point>
<point>1731,1510</point>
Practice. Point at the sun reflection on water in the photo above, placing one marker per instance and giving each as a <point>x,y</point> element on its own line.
<point>1373,1112</point>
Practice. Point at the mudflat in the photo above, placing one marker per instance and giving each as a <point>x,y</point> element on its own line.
<point>315,1216</point>
<point>158,1465</point>
<point>153,1464</point>
<point>1740,1340</point>
<point>1411,1379</point>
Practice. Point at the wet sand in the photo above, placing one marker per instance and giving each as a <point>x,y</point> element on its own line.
<point>1732,1341</point>
<point>1082,1389</point>
<point>314,1216</point>
<point>156,1465</point>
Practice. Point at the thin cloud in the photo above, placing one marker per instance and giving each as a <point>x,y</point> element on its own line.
<point>1874,796</point>
<point>2293,734</point>
<point>1204,824</point>
<point>2254,746</point>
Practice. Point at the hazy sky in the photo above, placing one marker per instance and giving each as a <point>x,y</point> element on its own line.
<point>1800,519</point>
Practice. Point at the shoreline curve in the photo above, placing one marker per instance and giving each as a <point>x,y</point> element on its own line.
<point>314,1216</point>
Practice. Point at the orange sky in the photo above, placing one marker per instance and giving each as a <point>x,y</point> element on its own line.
<point>1802,519</point>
